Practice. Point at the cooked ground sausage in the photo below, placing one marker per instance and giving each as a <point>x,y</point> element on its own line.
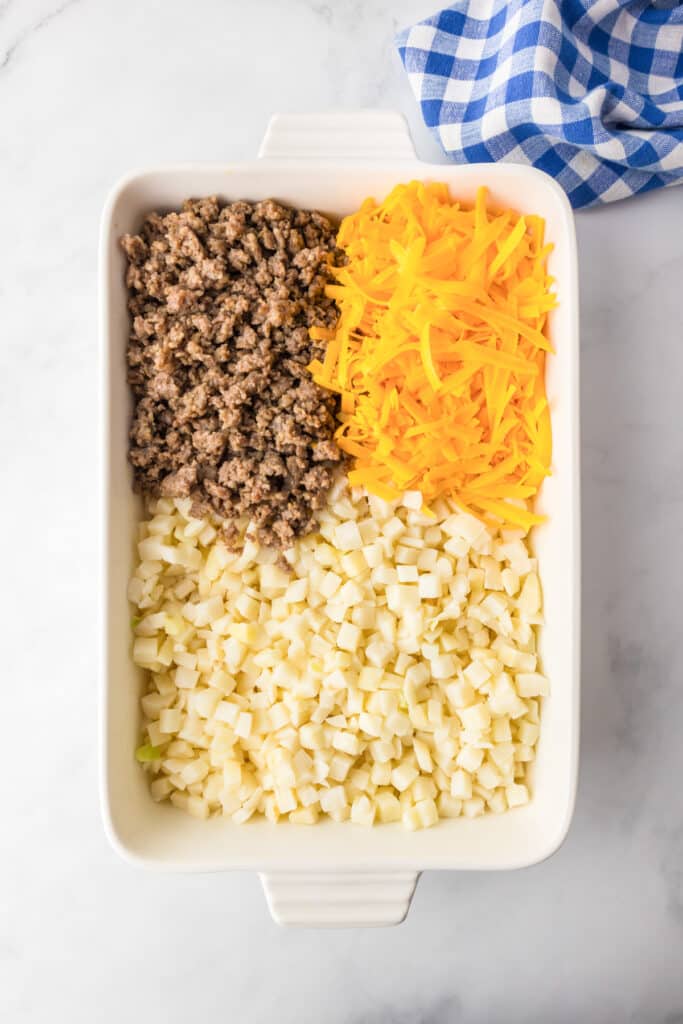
<point>221,299</point>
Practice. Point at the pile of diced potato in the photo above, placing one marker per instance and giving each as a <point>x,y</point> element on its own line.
<point>384,669</point>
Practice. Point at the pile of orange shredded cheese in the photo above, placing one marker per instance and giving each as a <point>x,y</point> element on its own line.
<point>439,351</point>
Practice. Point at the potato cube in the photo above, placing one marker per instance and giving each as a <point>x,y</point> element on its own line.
<point>516,795</point>
<point>531,684</point>
<point>473,807</point>
<point>362,811</point>
<point>448,806</point>
<point>388,807</point>
<point>348,637</point>
<point>403,776</point>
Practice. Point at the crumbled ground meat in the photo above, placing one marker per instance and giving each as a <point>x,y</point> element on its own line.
<point>221,299</point>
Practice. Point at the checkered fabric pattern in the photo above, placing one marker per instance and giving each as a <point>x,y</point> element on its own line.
<point>590,92</point>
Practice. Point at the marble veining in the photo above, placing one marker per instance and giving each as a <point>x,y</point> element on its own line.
<point>88,90</point>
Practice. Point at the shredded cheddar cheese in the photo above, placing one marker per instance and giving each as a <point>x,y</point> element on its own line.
<point>439,351</point>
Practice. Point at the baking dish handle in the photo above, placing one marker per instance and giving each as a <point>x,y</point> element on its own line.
<point>339,900</point>
<point>358,135</point>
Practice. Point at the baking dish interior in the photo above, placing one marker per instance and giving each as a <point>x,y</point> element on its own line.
<point>161,836</point>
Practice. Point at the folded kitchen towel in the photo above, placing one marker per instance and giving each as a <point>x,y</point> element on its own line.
<point>590,91</point>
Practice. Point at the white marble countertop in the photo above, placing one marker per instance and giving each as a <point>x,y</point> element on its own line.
<point>88,90</point>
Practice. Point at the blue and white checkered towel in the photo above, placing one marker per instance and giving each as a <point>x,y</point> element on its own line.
<point>590,91</point>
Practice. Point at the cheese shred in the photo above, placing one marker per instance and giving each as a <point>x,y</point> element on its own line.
<point>439,351</point>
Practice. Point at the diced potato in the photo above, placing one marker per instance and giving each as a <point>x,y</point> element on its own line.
<point>379,653</point>
<point>470,758</point>
<point>444,569</point>
<point>347,537</point>
<point>489,776</point>
<point>348,637</point>
<point>403,776</point>
<point>448,806</point>
<point>274,579</point>
<point>426,813</point>
<point>388,807</point>
<point>304,816</point>
<point>380,774</point>
<point>390,673</point>
<point>498,802</point>
<point>502,755</point>
<point>473,807</point>
<point>527,732</point>
<point>476,673</point>
<point>364,616</point>
<point>426,560</point>
<point>407,574</point>
<point>412,500</point>
<point>145,651</point>
<point>197,807</point>
<point>443,666</point>
<point>424,788</point>
<point>312,737</point>
<point>244,724</point>
<point>516,795</point>
<point>422,755</point>
<point>363,811</point>
<point>503,699</point>
<point>398,723</point>
<point>161,788</point>
<point>373,554</point>
<point>500,730</point>
<point>285,799</point>
<point>185,678</point>
<point>510,581</point>
<point>393,528</point>
<point>461,784</point>
<point>370,677</point>
<point>329,584</point>
<point>333,799</point>
<point>382,750</point>
<point>194,771</point>
<point>429,586</point>
<point>531,684</point>
<point>349,743</point>
<point>234,652</point>
<point>297,591</point>
<point>204,702</point>
<point>410,818</point>
<point>154,703</point>
<point>370,724</point>
<point>475,718</point>
<point>402,597</point>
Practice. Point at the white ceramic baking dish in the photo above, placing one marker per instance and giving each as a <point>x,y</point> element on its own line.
<point>335,874</point>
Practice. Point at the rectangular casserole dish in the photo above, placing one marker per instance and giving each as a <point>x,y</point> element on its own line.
<point>339,873</point>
